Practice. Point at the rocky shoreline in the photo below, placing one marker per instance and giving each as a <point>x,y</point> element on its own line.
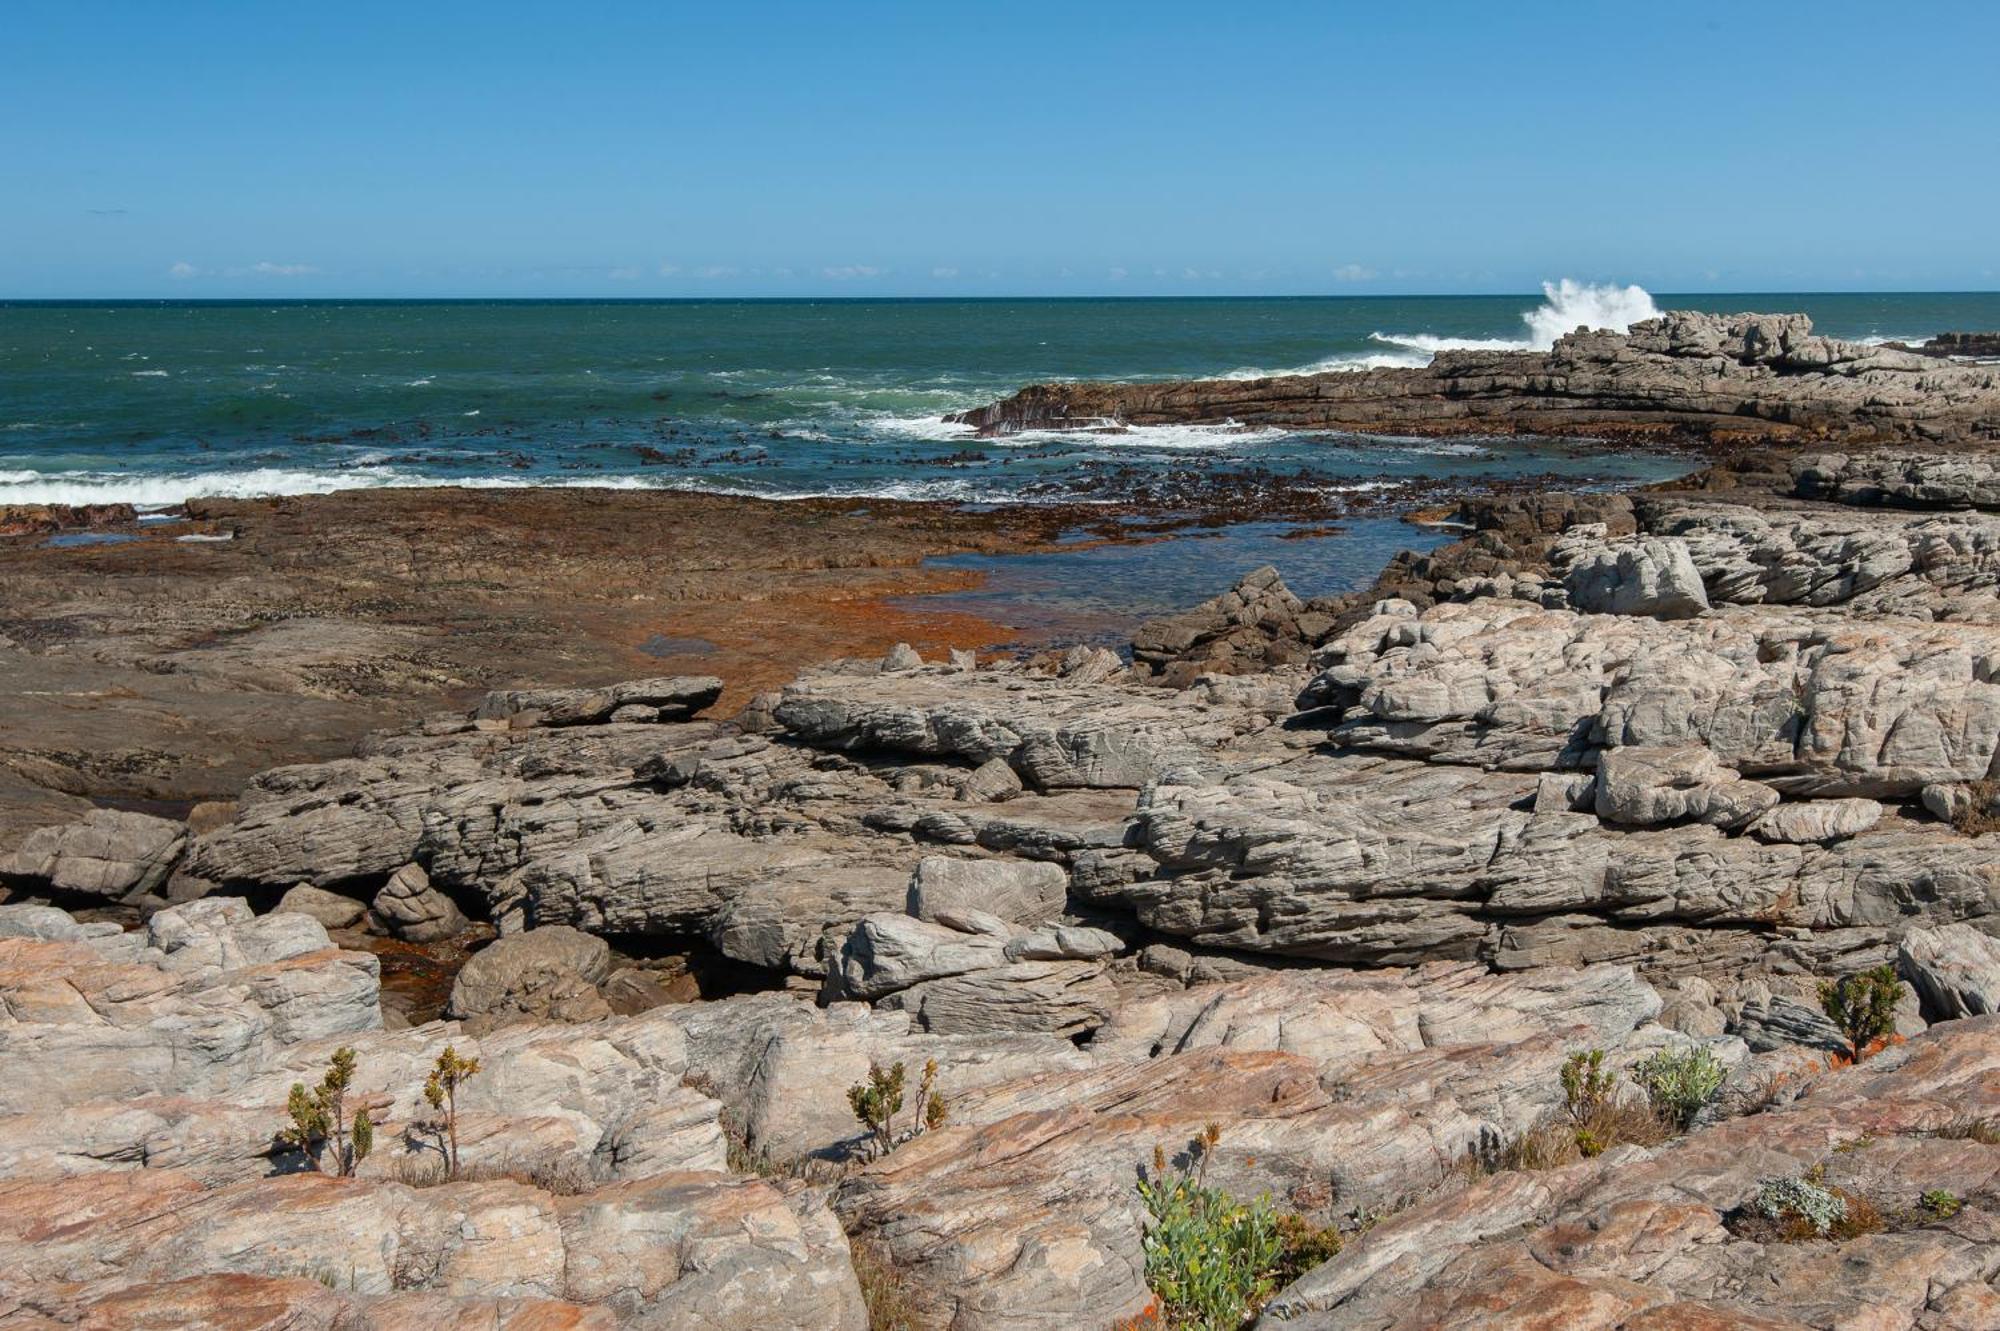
<point>1338,903</point>
<point>1729,381</point>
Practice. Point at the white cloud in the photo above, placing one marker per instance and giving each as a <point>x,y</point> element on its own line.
<point>183,270</point>
<point>669,269</point>
<point>269,269</point>
<point>623,274</point>
<point>849,271</point>
<point>1354,272</point>
<point>1118,274</point>
<point>711,271</point>
<point>781,272</point>
<point>944,272</point>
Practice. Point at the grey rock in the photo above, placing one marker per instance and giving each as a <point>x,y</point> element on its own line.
<point>332,910</point>
<point>1779,1021</point>
<point>1021,892</point>
<point>414,911</point>
<point>992,782</point>
<point>1817,820</point>
<point>547,974</point>
<point>1636,576</point>
<point>901,657</point>
<point>1646,786</point>
<point>1066,998</point>
<point>1954,968</point>
<point>675,697</point>
<point>106,853</point>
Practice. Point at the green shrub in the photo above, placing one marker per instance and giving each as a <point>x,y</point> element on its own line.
<point>877,1101</point>
<point>1680,1083</point>
<point>1862,1006</point>
<point>441,1092</point>
<point>1940,1203</point>
<point>1211,1260</point>
<point>318,1117</point>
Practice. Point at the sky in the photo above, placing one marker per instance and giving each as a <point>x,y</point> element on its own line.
<point>958,149</point>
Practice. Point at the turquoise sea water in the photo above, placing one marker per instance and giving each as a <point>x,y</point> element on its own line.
<point>159,401</point>
<point>154,402</point>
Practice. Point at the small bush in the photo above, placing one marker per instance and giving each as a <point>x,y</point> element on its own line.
<point>877,1101</point>
<point>1680,1083</point>
<point>1209,1257</point>
<point>318,1119</point>
<point>1213,1261</point>
<point>1798,1210</point>
<point>1940,1203</point>
<point>1801,1198</point>
<point>441,1092</point>
<point>1862,1006</point>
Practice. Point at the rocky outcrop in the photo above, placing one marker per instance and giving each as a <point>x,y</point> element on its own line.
<point>106,853</point>
<point>1764,376</point>
<point>193,1004</point>
<point>1651,1239</point>
<point>1255,626</point>
<point>1955,970</point>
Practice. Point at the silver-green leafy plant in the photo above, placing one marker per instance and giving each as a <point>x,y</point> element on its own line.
<point>1680,1083</point>
<point>1817,1205</point>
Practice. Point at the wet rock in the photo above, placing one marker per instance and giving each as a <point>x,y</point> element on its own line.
<point>1743,375</point>
<point>1254,626</point>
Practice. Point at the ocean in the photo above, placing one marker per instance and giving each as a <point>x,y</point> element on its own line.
<point>156,402</point>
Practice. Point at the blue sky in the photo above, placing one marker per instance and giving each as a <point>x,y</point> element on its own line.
<point>192,149</point>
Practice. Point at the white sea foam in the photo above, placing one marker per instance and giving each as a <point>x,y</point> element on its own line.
<point>1566,306</point>
<point>1225,434</point>
<point>149,374</point>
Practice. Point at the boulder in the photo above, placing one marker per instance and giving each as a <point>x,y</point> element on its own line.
<point>414,911</point>
<point>1021,892</point>
<point>547,974</point>
<point>1637,576</point>
<point>670,698</point>
<point>1642,787</point>
<point>1954,968</point>
<point>106,853</point>
<point>1807,821</point>
<point>331,909</point>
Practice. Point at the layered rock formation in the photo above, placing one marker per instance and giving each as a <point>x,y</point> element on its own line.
<point>1747,376</point>
<point>1350,883</point>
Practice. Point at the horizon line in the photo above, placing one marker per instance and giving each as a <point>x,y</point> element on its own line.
<point>857,299</point>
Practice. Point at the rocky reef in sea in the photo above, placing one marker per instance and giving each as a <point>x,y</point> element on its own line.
<point>1728,378</point>
<point>1593,924</point>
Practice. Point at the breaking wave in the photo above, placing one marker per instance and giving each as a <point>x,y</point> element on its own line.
<point>1566,306</point>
